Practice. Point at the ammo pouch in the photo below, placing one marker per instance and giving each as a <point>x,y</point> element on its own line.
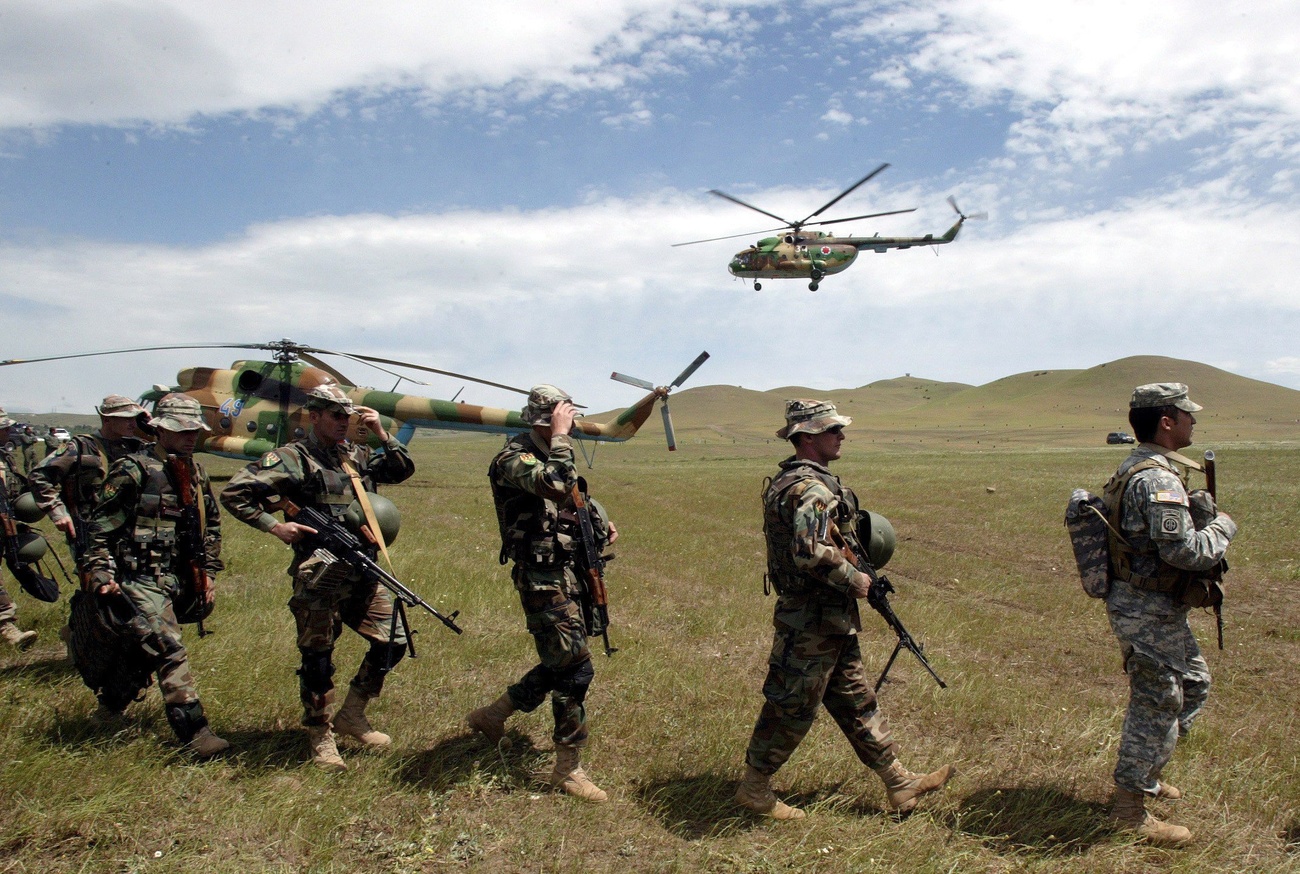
<point>321,573</point>
<point>543,553</point>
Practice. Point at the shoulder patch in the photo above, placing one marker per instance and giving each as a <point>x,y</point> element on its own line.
<point>1170,496</point>
<point>270,460</point>
<point>108,490</point>
<point>528,458</point>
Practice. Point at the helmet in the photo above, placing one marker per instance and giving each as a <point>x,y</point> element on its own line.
<point>32,546</point>
<point>25,509</point>
<point>386,514</point>
<point>876,535</point>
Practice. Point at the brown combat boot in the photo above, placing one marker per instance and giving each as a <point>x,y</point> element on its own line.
<point>351,721</point>
<point>904,789</point>
<point>569,776</point>
<point>324,751</point>
<point>205,744</point>
<point>1129,813</point>
<point>491,720</point>
<point>19,640</point>
<point>755,793</point>
<point>1168,791</point>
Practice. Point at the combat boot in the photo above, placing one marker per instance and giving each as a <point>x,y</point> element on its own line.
<point>324,751</point>
<point>205,744</point>
<point>19,640</point>
<point>1168,791</point>
<point>904,789</point>
<point>351,721</point>
<point>490,721</point>
<point>1129,813</point>
<point>755,793</point>
<point>569,776</point>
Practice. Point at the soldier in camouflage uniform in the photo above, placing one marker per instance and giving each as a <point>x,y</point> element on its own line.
<point>14,485</point>
<point>66,484</point>
<point>134,551</point>
<point>52,443</point>
<point>815,657</point>
<point>318,471</point>
<point>27,440</point>
<point>532,479</point>
<point>1168,678</point>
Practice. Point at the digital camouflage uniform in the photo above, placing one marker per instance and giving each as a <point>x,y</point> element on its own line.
<point>1168,678</point>
<point>310,474</point>
<point>530,486</point>
<point>815,657</point>
<point>132,540</point>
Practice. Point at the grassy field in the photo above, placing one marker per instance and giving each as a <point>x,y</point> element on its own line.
<point>1031,715</point>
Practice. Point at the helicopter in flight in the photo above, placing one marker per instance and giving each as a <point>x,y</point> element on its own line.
<point>814,255</point>
<point>256,406</point>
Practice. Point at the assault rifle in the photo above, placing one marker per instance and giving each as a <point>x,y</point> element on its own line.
<point>878,597</point>
<point>189,539</point>
<point>1211,486</point>
<point>590,565</point>
<point>335,539</point>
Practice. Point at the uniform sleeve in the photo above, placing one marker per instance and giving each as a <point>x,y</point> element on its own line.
<point>212,562</point>
<point>393,465</point>
<point>551,478</point>
<point>814,553</point>
<point>1160,502</point>
<point>277,474</point>
<point>107,523</point>
<point>46,480</point>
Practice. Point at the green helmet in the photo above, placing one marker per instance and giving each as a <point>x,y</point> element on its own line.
<point>32,546</point>
<point>25,509</point>
<point>876,534</point>
<point>386,514</point>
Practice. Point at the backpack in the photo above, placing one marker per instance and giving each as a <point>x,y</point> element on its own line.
<point>1085,520</point>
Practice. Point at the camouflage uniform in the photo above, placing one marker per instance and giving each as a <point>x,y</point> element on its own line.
<point>13,484</point>
<point>133,540</point>
<point>67,483</point>
<point>1169,680</point>
<point>311,474</point>
<point>27,439</point>
<point>52,443</point>
<point>530,484</point>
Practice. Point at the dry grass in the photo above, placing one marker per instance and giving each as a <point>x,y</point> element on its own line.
<point>1031,715</point>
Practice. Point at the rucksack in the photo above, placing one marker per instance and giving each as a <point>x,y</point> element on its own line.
<point>1085,520</point>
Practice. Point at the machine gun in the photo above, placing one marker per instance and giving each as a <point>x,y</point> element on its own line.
<point>193,551</point>
<point>340,543</point>
<point>878,597</point>
<point>590,567</point>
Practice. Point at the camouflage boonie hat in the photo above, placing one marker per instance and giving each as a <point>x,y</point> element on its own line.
<point>120,406</point>
<point>541,403</point>
<point>178,412</point>
<point>810,417</point>
<point>5,421</point>
<point>1163,394</point>
<point>327,395</point>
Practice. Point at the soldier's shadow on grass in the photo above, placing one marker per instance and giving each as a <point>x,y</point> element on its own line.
<point>1291,838</point>
<point>1040,820</point>
<point>49,670</point>
<point>703,806</point>
<point>513,764</point>
<point>259,750</point>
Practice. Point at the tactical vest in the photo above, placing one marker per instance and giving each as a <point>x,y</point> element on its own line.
<point>331,490</point>
<point>1167,578</point>
<point>153,546</point>
<point>529,524</point>
<point>783,574</point>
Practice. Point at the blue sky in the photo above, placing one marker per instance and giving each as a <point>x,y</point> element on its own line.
<point>494,190</point>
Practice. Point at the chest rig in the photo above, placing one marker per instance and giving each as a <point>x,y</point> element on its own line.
<point>529,524</point>
<point>153,547</point>
<point>328,488</point>
<point>779,495</point>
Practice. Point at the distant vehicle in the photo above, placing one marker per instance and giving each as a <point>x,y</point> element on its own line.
<point>1120,437</point>
<point>61,434</point>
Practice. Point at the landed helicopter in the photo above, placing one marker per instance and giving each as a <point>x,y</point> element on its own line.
<point>256,406</point>
<point>816,255</point>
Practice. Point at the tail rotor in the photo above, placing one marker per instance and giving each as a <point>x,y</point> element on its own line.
<point>663,391</point>
<point>975,216</point>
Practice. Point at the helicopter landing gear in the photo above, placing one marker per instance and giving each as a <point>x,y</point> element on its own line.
<point>815,276</point>
<point>758,286</point>
<point>812,286</point>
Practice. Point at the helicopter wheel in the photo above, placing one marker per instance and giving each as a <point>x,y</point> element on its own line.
<point>812,286</point>
<point>758,286</point>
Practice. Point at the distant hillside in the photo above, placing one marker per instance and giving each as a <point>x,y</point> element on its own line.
<point>1050,407</point>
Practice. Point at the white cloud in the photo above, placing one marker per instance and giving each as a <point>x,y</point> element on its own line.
<point>837,116</point>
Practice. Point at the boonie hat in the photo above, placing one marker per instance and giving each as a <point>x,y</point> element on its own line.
<point>810,417</point>
<point>178,412</point>
<point>5,421</point>
<point>119,406</point>
<point>1163,394</point>
<point>329,395</point>
<point>541,403</point>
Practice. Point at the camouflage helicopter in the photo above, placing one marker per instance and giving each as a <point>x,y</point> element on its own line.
<point>256,406</point>
<point>816,255</point>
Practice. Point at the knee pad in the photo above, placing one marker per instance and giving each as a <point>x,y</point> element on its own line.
<point>317,671</point>
<point>385,656</point>
<point>573,682</point>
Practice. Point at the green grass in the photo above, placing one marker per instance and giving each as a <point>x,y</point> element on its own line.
<point>985,579</point>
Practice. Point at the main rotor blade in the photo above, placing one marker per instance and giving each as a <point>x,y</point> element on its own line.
<point>632,380</point>
<point>372,359</point>
<point>736,200</point>
<point>691,368</point>
<point>844,193</point>
<point>9,361</point>
<point>856,217</point>
<point>730,237</point>
<point>322,365</point>
<point>668,427</point>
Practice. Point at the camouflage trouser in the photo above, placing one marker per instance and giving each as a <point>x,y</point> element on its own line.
<point>1163,703</point>
<point>806,670</point>
<point>8,612</point>
<point>368,610</point>
<point>565,670</point>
